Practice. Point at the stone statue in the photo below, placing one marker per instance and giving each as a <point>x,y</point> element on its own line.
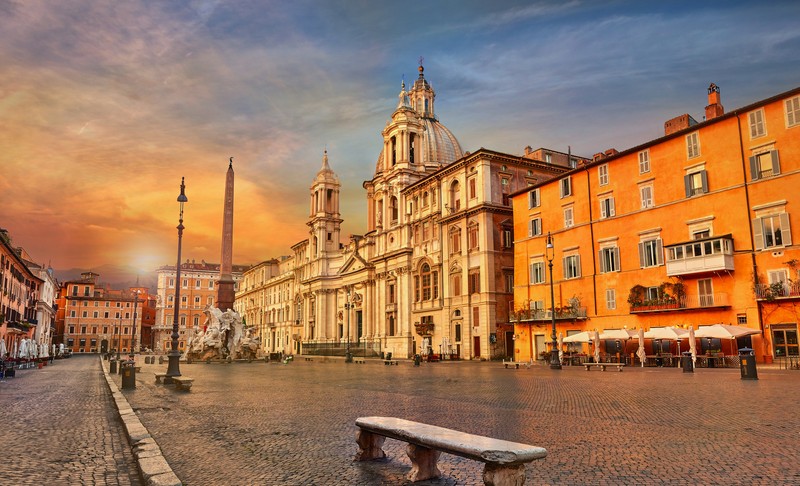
<point>222,338</point>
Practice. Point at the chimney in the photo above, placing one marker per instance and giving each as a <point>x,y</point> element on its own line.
<point>714,108</point>
<point>679,123</point>
<point>528,150</point>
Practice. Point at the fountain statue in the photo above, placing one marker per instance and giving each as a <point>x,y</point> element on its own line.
<point>224,336</point>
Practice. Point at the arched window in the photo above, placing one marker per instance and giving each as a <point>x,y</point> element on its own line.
<point>394,150</point>
<point>455,196</point>
<point>425,274</point>
<point>412,141</point>
<point>393,209</point>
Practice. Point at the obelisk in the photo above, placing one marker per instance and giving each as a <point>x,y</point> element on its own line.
<point>225,290</point>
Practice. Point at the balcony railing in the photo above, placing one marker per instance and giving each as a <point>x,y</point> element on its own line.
<point>546,315</point>
<point>779,290</point>
<point>684,303</point>
<point>700,256</point>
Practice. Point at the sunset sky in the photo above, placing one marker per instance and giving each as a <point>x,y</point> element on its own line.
<point>104,105</point>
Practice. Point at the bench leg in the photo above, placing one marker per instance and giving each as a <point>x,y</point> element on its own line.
<point>423,463</point>
<point>497,475</point>
<point>370,446</point>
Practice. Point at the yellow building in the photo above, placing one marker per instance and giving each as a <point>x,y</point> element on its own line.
<point>690,229</point>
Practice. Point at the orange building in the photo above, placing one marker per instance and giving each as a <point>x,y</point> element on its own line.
<point>690,229</point>
<point>92,319</point>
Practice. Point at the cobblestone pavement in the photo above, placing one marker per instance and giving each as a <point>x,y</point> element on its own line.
<point>59,426</point>
<point>270,424</point>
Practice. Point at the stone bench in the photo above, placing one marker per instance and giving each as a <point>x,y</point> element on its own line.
<point>159,377</point>
<point>505,461</point>
<point>182,382</point>
<point>603,366</point>
<point>389,362</point>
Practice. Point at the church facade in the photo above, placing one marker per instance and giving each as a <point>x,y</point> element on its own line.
<point>433,274</point>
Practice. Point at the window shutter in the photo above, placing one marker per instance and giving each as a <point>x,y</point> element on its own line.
<point>611,206</point>
<point>786,232</point>
<point>659,252</point>
<point>617,266</point>
<point>753,168</point>
<point>704,179</point>
<point>531,275</point>
<point>758,233</point>
<point>776,164</point>
<point>641,255</point>
<point>603,268</point>
<point>564,266</point>
<point>687,184</point>
<point>577,265</point>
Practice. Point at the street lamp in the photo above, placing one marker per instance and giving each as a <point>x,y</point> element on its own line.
<point>348,358</point>
<point>133,333</point>
<point>173,366</point>
<point>555,361</point>
<point>118,329</point>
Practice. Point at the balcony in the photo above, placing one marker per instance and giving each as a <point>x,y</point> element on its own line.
<point>562,314</point>
<point>700,256</point>
<point>778,290</point>
<point>690,302</point>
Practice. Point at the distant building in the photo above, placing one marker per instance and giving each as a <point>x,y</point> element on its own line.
<point>690,229</point>
<point>433,274</point>
<point>94,319</point>
<point>198,291</point>
<point>20,296</point>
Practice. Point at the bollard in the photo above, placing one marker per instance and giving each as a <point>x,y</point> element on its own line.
<point>112,366</point>
<point>417,359</point>
<point>128,375</point>
<point>686,362</point>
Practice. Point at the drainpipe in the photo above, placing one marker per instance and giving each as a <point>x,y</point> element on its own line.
<point>591,233</point>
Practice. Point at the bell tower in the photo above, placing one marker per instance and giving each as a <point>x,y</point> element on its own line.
<point>324,219</point>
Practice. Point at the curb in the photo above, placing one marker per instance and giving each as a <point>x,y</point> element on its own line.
<point>152,466</point>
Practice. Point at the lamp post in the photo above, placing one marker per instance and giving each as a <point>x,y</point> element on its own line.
<point>133,332</point>
<point>118,329</point>
<point>555,361</point>
<point>173,366</point>
<point>348,358</point>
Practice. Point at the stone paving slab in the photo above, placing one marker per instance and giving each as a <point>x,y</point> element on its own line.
<point>258,423</point>
<point>59,426</point>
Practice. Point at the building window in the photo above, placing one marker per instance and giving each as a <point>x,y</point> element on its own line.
<point>651,253</point>
<point>644,161</point>
<point>764,165</point>
<point>210,285</point>
<point>474,281</point>
<point>533,199</point>
<point>696,183</point>
<point>757,127</point>
<point>741,319</point>
<point>393,209</point>
<point>566,187</point>
<point>611,299</point>
<point>391,298</point>
<point>568,218</point>
<point>197,302</point>
<point>509,280</point>
<point>472,237</point>
<point>705,291</point>
<point>458,333</point>
<point>455,196</point>
<point>508,238</point>
<point>793,111</point>
<point>602,174</point>
<point>456,284</point>
<point>607,207</point>
<point>609,259</point>
<point>572,266</point>
<point>646,195</point>
<point>197,284</point>
<point>426,231</point>
<point>85,314</point>
<point>455,240</point>
<point>692,146</point>
<point>772,231</point>
<point>535,227</point>
<point>537,273</point>
<point>473,188</point>
<point>171,283</point>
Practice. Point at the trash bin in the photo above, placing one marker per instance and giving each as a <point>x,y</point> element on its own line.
<point>686,362</point>
<point>388,356</point>
<point>348,357</point>
<point>747,364</point>
<point>112,366</point>
<point>128,375</point>
<point>417,359</point>
<point>383,355</point>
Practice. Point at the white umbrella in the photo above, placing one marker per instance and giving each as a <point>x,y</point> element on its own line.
<point>622,334</point>
<point>671,333</point>
<point>581,337</point>
<point>560,346</point>
<point>641,353</point>
<point>693,346</point>
<point>14,350</point>
<point>722,331</point>
<point>596,347</point>
<point>3,349</point>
